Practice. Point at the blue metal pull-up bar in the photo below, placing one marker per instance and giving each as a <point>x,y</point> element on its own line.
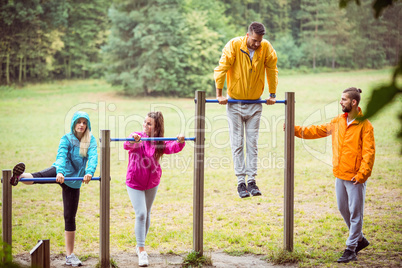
<point>152,139</point>
<point>242,101</point>
<point>54,179</point>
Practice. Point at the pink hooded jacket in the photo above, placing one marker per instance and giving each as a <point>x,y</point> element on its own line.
<point>143,172</point>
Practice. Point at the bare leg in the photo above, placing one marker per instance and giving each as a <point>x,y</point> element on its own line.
<point>27,175</point>
<point>70,237</point>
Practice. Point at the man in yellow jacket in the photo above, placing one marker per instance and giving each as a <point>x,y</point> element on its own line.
<point>353,150</point>
<point>244,62</point>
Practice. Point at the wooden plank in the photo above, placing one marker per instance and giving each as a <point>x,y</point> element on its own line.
<point>46,253</point>
<point>198,187</point>
<point>7,213</point>
<point>104,228</point>
<point>37,255</point>
<point>289,171</point>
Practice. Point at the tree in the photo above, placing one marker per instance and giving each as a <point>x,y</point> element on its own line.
<point>25,30</point>
<point>161,48</point>
<point>383,95</point>
<point>82,35</point>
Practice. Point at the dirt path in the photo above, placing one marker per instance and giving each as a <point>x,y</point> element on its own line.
<point>125,260</point>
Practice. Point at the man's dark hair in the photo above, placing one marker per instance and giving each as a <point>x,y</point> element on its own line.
<point>256,27</point>
<point>353,93</point>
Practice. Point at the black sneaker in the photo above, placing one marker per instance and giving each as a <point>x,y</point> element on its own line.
<point>17,171</point>
<point>362,245</point>
<point>242,190</point>
<point>348,256</point>
<point>253,189</point>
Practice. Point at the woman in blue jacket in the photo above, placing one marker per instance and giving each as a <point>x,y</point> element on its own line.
<point>77,156</point>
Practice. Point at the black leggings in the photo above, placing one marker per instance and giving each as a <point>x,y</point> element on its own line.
<point>71,198</point>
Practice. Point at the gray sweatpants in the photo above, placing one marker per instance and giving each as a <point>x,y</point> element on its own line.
<point>244,118</point>
<point>350,200</point>
<point>142,203</point>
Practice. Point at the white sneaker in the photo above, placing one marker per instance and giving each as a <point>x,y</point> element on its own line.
<point>73,260</point>
<point>143,259</point>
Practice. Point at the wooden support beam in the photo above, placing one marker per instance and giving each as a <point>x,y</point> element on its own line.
<point>289,171</point>
<point>198,187</point>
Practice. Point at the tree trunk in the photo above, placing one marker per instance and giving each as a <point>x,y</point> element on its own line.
<point>8,68</point>
<point>20,70</point>
<point>1,69</point>
<point>315,39</point>
<point>25,68</point>
<point>65,67</point>
<point>69,67</point>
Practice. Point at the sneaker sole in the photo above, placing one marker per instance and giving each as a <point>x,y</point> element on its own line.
<point>245,196</point>
<point>17,171</point>
<point>354,259</point>
<point>256,194</point>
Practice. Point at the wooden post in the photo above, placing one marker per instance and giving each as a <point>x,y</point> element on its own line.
<point>104,228</point>
<point>40,254</point>
<point>198,188</point>
<point>7,214</point>
<point>289,170</point>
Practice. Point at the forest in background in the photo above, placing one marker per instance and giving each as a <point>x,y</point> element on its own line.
<point>170,47</point>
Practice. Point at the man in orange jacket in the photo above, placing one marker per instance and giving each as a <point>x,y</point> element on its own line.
<point>353,151</point>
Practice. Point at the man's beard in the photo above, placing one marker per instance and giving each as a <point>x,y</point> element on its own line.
<point>347,109</point>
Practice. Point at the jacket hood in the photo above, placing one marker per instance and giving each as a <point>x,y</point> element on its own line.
<point>78,115</point>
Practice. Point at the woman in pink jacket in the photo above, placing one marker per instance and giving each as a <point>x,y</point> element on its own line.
<point>144,174</point>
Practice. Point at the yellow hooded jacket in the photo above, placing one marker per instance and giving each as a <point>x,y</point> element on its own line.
<point>353,146</point>
<point>246,79</point>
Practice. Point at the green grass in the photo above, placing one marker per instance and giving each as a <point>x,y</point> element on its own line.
<point>195,259</point>
<point>33,119</point>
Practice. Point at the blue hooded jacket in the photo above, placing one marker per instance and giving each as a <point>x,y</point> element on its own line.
<point>68,160</point>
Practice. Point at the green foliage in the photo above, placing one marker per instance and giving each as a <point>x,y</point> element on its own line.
<point>164,49</point>
<point>6,259</point>
<point>47,39</point>
<point>290,54</point>
<point>195,259</point>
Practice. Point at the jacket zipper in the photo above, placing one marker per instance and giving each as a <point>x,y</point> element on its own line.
<point>251,62</point>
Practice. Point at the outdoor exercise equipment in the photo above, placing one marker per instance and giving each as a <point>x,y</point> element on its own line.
<point>40,254</point>
<point>198,178</point>
<point>7,213</point>
<point>151,139</point>
<point>54,179</point>
<point>243,101</point>
<point>289,162</point>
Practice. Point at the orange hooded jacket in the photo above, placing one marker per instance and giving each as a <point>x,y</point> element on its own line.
<point>353,146</point>
<point>246,79</point>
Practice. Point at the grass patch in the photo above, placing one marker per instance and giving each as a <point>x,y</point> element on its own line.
<point>281,256</point>
<point>195,259</point>
<point>113,264</point>
<point>34,118</point>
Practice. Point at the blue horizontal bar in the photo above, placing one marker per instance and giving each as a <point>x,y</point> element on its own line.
<point>243,101</point>
<point>152,139</point>
<point>54,179</point>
